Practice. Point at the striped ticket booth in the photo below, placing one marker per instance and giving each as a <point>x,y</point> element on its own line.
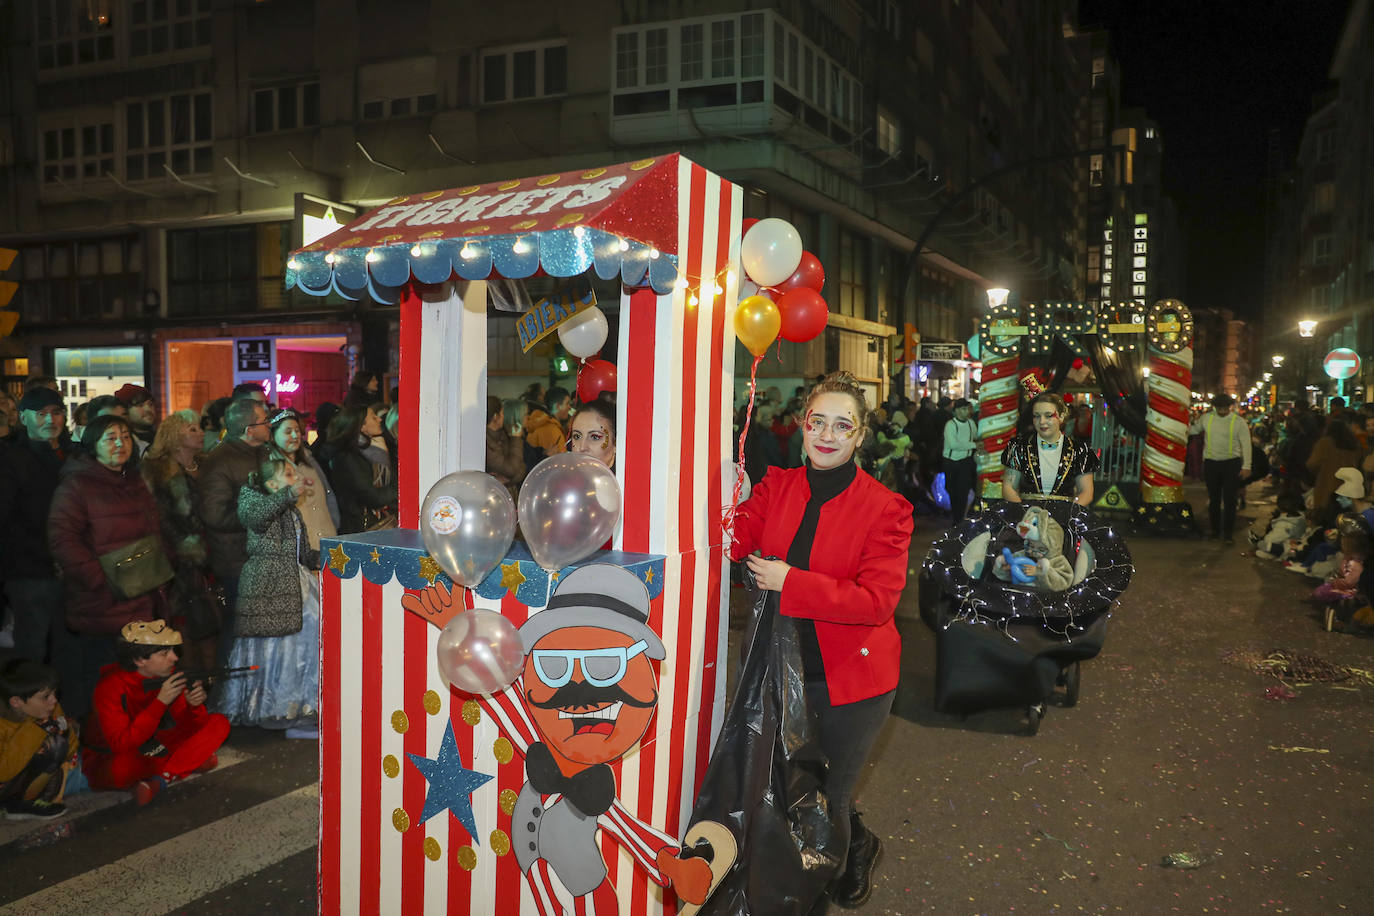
<point>670,230</point>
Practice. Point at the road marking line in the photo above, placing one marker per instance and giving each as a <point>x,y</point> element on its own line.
<point>162,878</point>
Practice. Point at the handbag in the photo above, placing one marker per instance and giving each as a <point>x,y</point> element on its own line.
<point>137,568</point>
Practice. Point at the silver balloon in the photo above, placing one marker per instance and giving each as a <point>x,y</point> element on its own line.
<point>479,651</point>
<point>467,522</point>
<point>569,506</point>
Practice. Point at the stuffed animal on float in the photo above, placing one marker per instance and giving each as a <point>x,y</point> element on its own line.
<point>1040,562</point>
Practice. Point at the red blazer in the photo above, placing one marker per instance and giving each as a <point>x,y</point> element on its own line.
<point>858,570</point>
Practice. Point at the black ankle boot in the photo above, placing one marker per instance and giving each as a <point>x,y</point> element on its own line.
<point>852,889</point>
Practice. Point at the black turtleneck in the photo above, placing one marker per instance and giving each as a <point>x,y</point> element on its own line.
<point>825,485</point>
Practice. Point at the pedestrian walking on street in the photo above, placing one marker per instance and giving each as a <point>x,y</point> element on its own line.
<point>1225,461</point>
<point>960,451</point>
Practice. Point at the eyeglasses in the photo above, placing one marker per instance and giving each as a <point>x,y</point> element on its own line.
<point>841,428</point>
<point>601,667</point>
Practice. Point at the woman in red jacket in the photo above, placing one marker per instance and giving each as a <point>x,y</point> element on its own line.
<point>100,505</point>
<point>843,539</point>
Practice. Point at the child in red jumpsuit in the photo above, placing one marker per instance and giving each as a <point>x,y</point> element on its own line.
<point>139,737</point>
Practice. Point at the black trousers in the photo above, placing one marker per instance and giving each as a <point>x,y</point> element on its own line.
<point>959,479</point>
<point>846,734</point>
<point>1223,483</point>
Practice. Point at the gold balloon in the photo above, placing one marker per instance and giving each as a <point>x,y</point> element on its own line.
<point>391,766</point>
<point>400,721</point>
<point>400,820</point>
<point>467,858</point>
<point>500,843</point>
<point>432,703</point>
<point>757,324</point>
<point>432,849</point>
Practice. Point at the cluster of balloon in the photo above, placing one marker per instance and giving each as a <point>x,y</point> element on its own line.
<point>782,293</point>
<point>467,525</point>
<point>569,507</point>
<point>595,376</point>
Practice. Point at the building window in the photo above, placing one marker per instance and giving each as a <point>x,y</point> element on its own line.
<point>626,60</point>
<point>160,26</point>
<point>526,72</point>
<point>174,131</point>
<point>1149,133</point>
<point>853,266</point>
<point>655,57</point>
<point>751,46</point>
<point>286,108</point>
<point>71,34</point>
<point>1324,197</point>
<point>889,133</point>
<point>1321,249</point>
<point>722,48</point>
<point>78,152</point>
<point>87,279</point>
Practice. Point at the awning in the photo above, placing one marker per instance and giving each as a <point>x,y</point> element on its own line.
<point>619,220</point>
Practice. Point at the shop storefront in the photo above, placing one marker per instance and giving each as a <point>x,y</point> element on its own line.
<point>944,368</point>
<point>298,371</point>
<point>88,372</point>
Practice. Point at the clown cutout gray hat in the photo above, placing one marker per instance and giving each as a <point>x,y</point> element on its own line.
<point>598,595</point>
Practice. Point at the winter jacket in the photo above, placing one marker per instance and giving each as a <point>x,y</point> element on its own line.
<point>505,456</point>
<point>353,478</point>
<point>1325,459</point>
<point>94,511</point>
<point>269,602</point>
<point>858,568</point>
<point>19,741</point>
<point>222,473</point>
<point>126,717</point>
<point>1281,530</point>
<point>29,473</point>
<point>544,435</point>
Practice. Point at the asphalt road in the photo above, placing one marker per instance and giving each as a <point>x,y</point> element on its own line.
<point>1178,744</point>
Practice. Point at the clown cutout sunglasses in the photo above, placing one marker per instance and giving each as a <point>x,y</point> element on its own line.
<point>600,667</point>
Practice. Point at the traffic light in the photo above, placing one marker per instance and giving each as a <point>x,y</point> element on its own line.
<point>911,344</point>
<point>8,318</point>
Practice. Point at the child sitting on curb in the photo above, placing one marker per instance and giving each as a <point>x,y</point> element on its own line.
<point>1344,583</point>
<point>126,743</point>
<point>37,743</point>
<point>1286,525</point>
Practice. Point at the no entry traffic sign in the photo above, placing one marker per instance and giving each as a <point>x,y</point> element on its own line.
<point>1342,363</point>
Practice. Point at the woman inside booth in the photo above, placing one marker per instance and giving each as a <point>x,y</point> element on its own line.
<point>593,430</point>
<point>1048,463</point>
<point>365,489</point>
<point>833,542</point>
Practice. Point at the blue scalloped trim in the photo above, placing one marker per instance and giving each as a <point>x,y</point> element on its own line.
<point>399,552</point>
<point>380,272</point>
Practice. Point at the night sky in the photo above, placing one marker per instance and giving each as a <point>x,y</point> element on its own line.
<point>1216,75</point>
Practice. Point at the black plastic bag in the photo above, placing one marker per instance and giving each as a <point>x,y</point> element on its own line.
<point>765,778</point>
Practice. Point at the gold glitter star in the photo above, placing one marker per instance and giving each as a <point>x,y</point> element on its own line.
<point>554,576</point>
<point>337,559</point>
<point>429,569</point>
<point>376,556</point>
<point>511,576</point>
<point>649,576</point>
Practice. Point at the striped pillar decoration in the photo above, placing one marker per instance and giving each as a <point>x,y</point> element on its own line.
<point>999,405</point>
<point>1166,417</point>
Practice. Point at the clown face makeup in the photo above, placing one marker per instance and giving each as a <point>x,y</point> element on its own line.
<point>590,436</point>
<point>831,430</point>
<point>1047,421</point>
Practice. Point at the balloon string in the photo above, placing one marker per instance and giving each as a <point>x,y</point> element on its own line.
<point>728,518</point>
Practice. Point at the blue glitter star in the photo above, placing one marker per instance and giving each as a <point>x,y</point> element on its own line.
<point>450,784</point>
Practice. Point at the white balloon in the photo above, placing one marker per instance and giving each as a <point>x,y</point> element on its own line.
<point>748,288</point>
<point>584,334</point>
<point>771,251</point>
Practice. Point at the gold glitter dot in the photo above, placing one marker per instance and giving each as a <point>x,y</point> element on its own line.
<point>593,173</point>
<point>400,721</point>
<point>400,820</point>
<point>472,712</point>
<point>432,703</point>
<point>396,200</point>
<point>391,766</point>
<point>431,195</point>
<point>569,219</point>
<point>641,164</point>
<point>503,751</point>
<point>507,800</point>
<point>500,843</point>
<point>476,230</point>
<point>468,190</point>
<point>432,849</point>
<point>467,858</point>
<point>548,180</point>
<point>508,185</point>
<point>526,224</point>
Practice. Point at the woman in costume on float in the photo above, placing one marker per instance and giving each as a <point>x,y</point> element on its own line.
<point>1048,463</point>
<point>843,539</point>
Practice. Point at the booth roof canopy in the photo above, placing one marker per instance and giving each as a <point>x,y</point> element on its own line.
<point>619,220</point>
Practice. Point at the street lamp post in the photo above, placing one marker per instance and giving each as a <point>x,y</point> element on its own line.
<point>1307,329</point>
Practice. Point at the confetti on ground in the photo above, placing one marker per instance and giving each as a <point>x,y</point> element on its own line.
<point>1299,749</point>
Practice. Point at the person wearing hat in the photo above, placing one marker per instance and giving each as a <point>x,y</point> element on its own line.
<point>960,451</point>
<point>127,744</point>
<point>30,468</point>
<point>584,699</point>
<point>142,414</point>
<point>1225,460</point>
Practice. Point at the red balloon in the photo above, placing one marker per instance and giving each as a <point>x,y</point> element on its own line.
<point>746,223</point>
<point>808,275</point>
<point>595,376</point>
<point>804,314</point>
